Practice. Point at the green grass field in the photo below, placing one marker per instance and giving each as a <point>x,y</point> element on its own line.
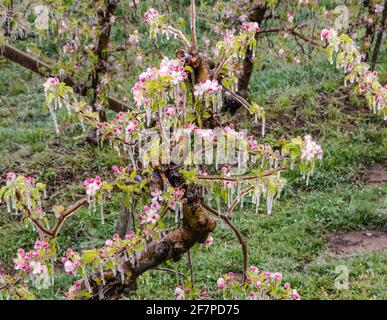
<point>293,241</point>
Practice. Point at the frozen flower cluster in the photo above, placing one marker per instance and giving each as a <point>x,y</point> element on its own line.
<point>92,186</point>
<point>34,263</point>
<point>208,87</point>
<point>311,150</point>
<point>258,286</point>
<point>23,193</point>
<point>151,214</point>
<point>152,15</point>
<point>356,71</point>
<point>71,262</point>
<point>51,83</point>
<point>250,28</point>
<point>170,73</point>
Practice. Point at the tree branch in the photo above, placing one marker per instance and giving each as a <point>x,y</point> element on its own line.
<point>45,70</point>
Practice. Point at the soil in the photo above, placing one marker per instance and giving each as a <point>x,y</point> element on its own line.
<point>376,174</point>
<point>358,241</point>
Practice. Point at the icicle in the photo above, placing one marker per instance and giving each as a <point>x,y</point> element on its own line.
<point>121,271</point>
<point>177,215</point>
<point>100,292</point>
<point>13,202</point>
<point>257,200</point>
<point>101,210</point>
<point>220,101</point>
<point>83,126</point>
<point>269,202</point>
<point>54,119</point>
<point>87,284</point>
<point>28,199</point>
<point>218,204</point>
<point>148,117</point>
<point>131,152</point>
<point>292,162</point>
<point>8,202</point>
<point>52,271</point>
<point>263,126</point>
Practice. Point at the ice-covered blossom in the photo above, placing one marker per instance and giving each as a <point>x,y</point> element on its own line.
<point>258,286</point>
<point>34,264</point>
<point>209,241</point>
<point>311,149</point>
<point>151,15</point>
<point>208,87</point>
<point>10,176</point>
<point>220,283</point>
<point>132,125</point>
<point>179,293</point>
<point>250,27</point>
<point>349,59</point>
<point>92,186</point>
<point>169,74</point>
<point>51,83</point>
<point>150,213</point>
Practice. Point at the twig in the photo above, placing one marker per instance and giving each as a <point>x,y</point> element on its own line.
<point>190,268</point>
<point>193,24</point>
<point>238,198</point>
<point>238,234</point>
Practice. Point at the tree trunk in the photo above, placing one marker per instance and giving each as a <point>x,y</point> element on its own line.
<point>230,104</point>
<point>101,52</point>
<point>379,37</point>
<point>195,228</point>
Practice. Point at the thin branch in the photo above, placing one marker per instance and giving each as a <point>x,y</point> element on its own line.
<point>181,36</point>
<point>239,98</point>
<point>65,214</point>
<point>242,178</point>
<point>193,25</point>
<point>238,234</point>
<point>238,198</point>
<point>190,268</point>
<point>45,70</point>
<point>178,273</point>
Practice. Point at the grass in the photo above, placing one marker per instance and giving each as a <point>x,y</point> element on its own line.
<point>293,240</point>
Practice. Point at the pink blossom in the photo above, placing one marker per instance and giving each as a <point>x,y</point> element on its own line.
<point>324,34</point>
<point>254,269</point>
<point>209,241</point>
<point>250,27</point>
<point>170,111</point>
<point>151,15</point>
<point>220,283</point>
<point>10,176</point>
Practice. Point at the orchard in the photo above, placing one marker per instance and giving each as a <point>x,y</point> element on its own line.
<point>192,150</point>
